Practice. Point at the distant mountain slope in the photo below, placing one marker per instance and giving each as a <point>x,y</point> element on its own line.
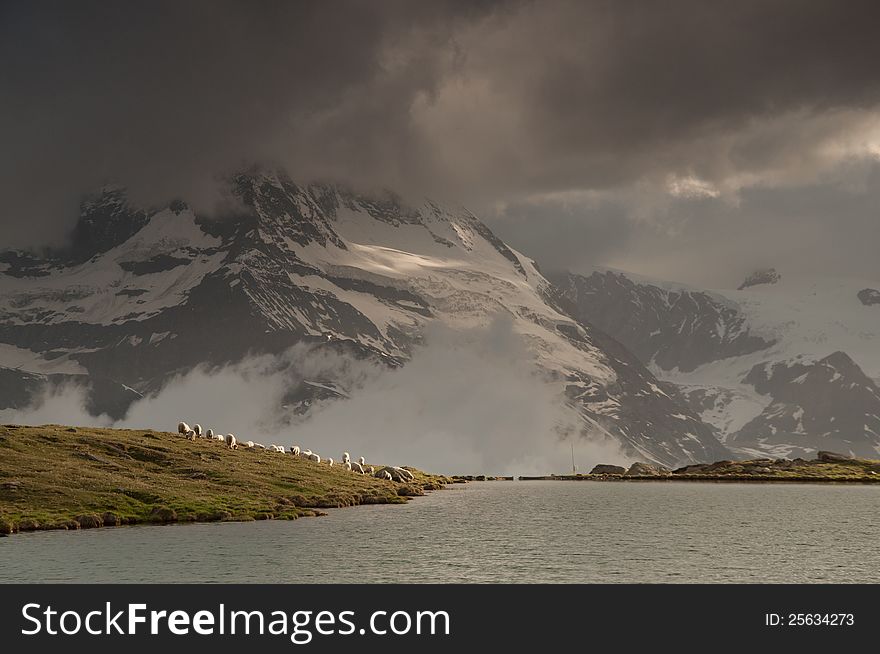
<point>784,365</point>
<point>815,405</point>
<point>161,292</point>
<point>673,327</point>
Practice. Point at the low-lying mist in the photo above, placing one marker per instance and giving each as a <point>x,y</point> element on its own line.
<point>469,402</point>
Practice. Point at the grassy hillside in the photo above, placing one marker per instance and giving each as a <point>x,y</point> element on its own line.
<point>827,467</point>
<point>57,477</point>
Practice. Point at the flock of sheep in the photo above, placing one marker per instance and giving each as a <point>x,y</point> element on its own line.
<point>391,473</point>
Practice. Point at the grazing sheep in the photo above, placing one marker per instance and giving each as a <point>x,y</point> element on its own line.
<point>197,428</point>
<point>405,473</point>
<point>295,450</point>
<point>330,461</point>
<point>220,437</point>
<point>347,465</point>
<point>250,445</point>
<point>191,435</point>
<point>278,448</point>
<point>210,433</point>
<point>345,457</point>
<point>231,443</point>
<point>314,457</point>
<point>395,474</point>
<point>306,454</point>
<point>362,461</point>
<point>182,428</point>
<point>357,467</point>
<point>372,470</point>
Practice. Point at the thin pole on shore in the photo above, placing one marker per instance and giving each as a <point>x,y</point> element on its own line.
<point>574,469</point>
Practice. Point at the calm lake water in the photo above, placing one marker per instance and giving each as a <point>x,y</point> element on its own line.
<point>498,532</point>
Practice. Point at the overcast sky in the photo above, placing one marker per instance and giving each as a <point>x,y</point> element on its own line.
<point>687,140</point>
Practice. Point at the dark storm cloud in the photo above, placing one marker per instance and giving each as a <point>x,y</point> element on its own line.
<point>511,102</point>
<point>587,95</point>
<point>562,235</point>
<point>162,96</point>
<point>829,228</point>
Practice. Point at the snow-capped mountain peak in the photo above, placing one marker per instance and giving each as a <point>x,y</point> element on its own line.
<point>779,366</point>
<point>324,266</point>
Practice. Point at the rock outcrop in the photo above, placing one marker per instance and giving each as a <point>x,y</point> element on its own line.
<point>763,276</point>
<point>607,469</point>
<point>869,296</point>
<point>833,457</point>
<point>640,469</point>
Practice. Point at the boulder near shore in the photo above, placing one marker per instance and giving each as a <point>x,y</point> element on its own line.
<point>640,469</point>
<point>608,469</point>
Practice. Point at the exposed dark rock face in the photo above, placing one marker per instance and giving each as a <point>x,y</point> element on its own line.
<point>797,405</point>
<point>869,296</point>
<point>673,328</point>
<point>159,263</point>
<point>106,220</point>
<point>815,405</point>
<point>764,276</point>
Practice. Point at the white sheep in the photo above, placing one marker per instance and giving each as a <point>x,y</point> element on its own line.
<point>197,428</point>
<point>347,465</point>
<point>357,467</point>
<point>250,445</point>
<point>182,428</point>
<point>394,474</point>
<point>372,470</point>
<point>345,457</point>
<point>191,435</point>
<point>231,443</point>
<point>330,461</point>
<point>306,454</point>
<point>210,434</point>
<point>362,461</point>
<point>278,448</point>
<point>404,472</point>
<point>295,450</point>
<point>314,457</point>
<point>220,437</point>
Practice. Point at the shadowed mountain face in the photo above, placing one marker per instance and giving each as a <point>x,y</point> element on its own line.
<point>147,296</point>
<point>672,328</point>
<point>775,368</point>
<point>764,276</point>
<point>828,404</point>
<point>869,296</point>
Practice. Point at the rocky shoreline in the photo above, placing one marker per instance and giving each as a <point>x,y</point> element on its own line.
<point>826,467</point>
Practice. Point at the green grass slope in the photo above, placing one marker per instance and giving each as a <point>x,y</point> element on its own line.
<point>58,477</point>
